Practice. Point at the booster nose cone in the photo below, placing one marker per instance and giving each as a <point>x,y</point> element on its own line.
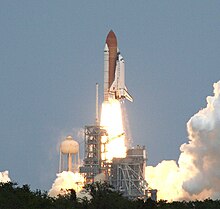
<point>106,48</point>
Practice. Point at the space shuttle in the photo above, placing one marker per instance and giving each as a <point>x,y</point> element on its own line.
<point>114,71</point>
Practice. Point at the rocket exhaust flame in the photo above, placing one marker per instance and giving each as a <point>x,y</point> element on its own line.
<point>198,173</point>
<point>111,119</point>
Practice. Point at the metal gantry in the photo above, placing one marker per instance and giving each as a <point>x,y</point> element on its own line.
<point>92,161</point>
<point>127,174</point>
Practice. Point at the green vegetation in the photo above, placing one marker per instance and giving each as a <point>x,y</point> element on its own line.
<point>102,197</point>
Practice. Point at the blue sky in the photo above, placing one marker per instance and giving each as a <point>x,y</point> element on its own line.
<point>51,56</point>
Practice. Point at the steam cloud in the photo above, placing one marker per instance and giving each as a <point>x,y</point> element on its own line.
<point>65,181</point>
<point>198,173</point>
<point>4,177</point>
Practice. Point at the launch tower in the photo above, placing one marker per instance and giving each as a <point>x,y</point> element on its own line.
<point>92,164</point>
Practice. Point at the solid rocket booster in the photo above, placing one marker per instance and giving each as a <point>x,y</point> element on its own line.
<point>114,79</point>
<point>106,73</point>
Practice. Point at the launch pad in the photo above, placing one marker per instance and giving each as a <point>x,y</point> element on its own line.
<point>126,175</point>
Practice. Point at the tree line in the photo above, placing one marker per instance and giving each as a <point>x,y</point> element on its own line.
<point>103,196</point>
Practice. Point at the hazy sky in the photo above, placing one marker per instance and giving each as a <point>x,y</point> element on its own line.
<point>51,56</point>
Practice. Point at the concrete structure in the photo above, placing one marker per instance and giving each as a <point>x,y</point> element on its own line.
<point>152,193</point>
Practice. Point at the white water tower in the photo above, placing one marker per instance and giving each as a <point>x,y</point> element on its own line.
<point>70,149</point>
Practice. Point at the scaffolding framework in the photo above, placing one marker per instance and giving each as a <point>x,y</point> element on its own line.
<point>127,174</point>
<point>92,161</point>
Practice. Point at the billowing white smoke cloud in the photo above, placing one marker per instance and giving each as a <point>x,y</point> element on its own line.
<point>165,177</point>
<point>65,181</point>
<point>4,177</point>
<point>198,173</point>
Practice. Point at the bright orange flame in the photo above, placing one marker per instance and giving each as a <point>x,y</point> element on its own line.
<point>111,119</point>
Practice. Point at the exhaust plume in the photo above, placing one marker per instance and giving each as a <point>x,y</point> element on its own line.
<point>65,181</point>
<point>197,175</point>
<point>4,177</point>
<point>111,119</point>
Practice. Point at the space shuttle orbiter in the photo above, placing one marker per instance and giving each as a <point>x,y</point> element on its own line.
<point>114,71</point>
